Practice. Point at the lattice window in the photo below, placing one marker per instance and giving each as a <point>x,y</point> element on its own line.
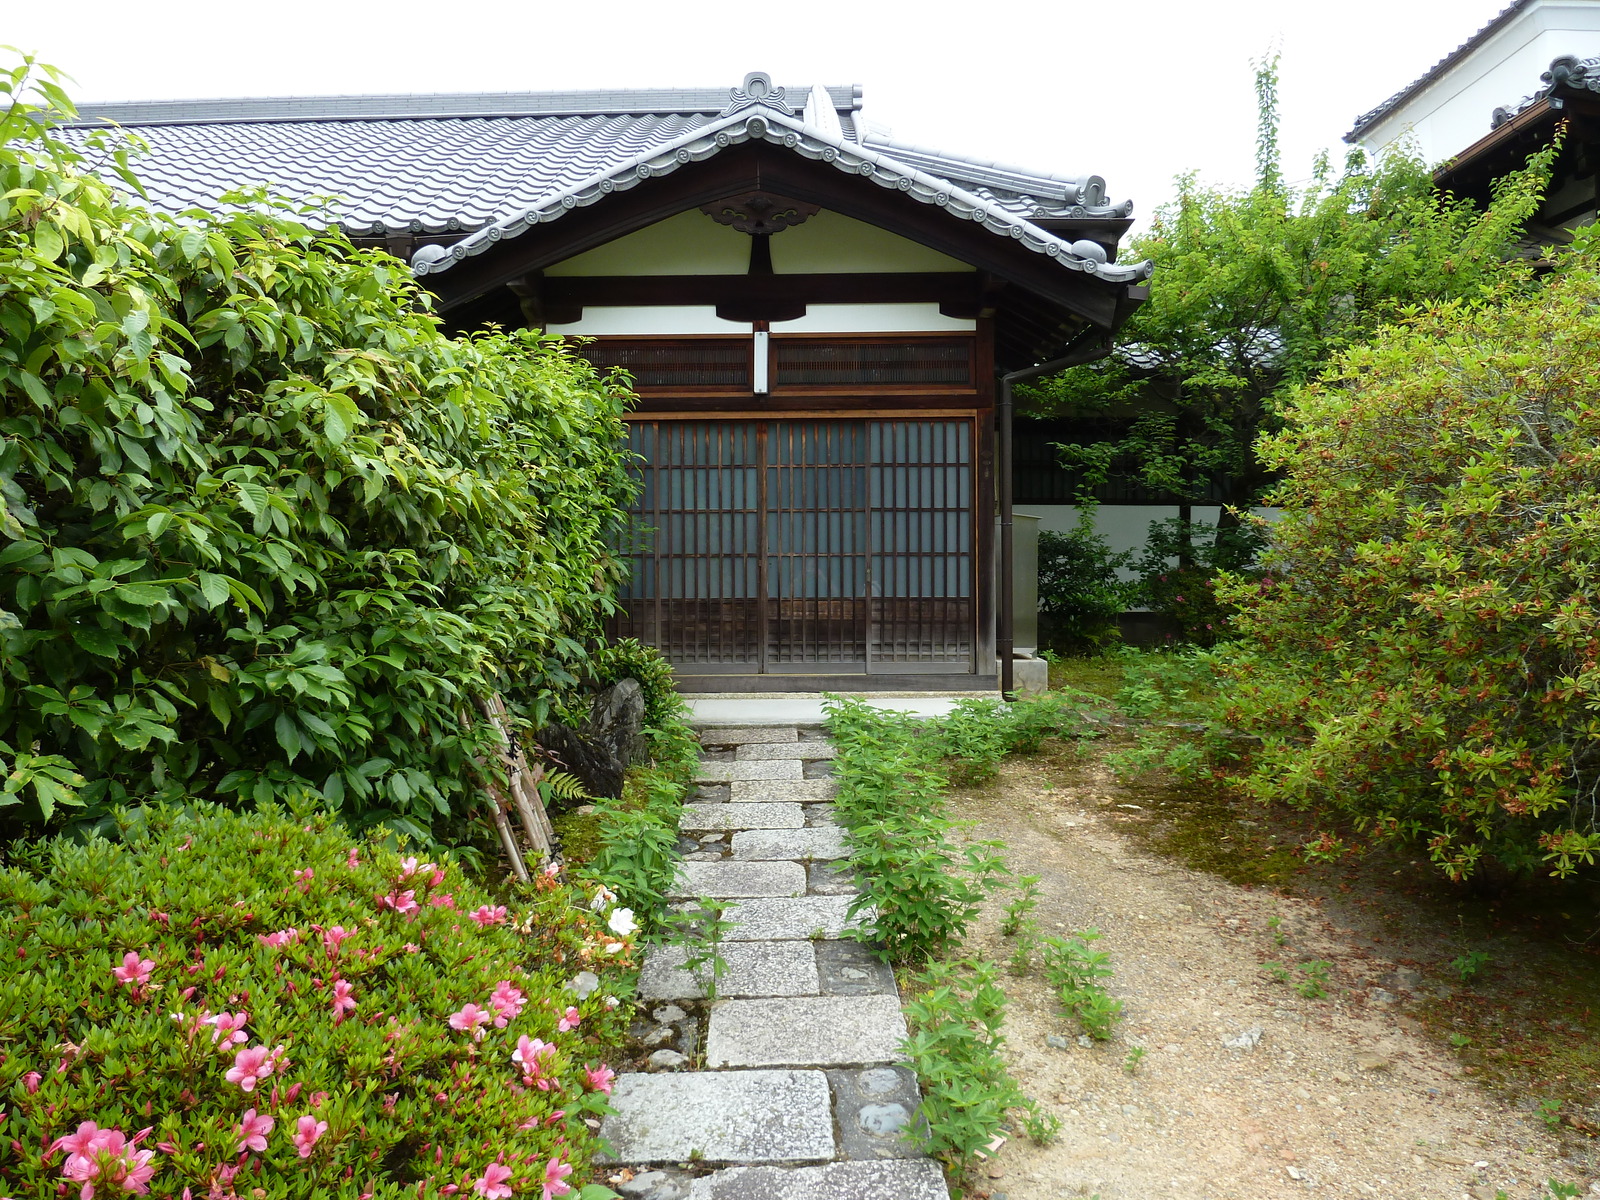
<point>703,364</point>
<point>804,362</point>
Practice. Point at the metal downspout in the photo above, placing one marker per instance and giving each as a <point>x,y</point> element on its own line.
<point>1082,349</point>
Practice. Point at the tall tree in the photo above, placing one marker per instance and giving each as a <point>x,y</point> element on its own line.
<point>1255,290</point>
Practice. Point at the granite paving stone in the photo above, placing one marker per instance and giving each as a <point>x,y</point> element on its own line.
<point>723,772</point>
<point>746,791</point>
<point>713,735</point>
<point>847,968</point>
<point>871,1108</point>
<point>739,879</point>
<point>822,842</point>
<point>720,1117</point>
<point>805,1031</point>
<point>742,816</point>
<point>918,1179</point>
<point>783,920</point>
<point>830,879</point>
<point>751,969</point>
<point>802,750</point>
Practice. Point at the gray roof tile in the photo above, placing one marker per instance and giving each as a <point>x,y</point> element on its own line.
<point>494,164</point>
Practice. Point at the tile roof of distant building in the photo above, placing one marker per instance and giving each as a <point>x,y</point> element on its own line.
<point>491,165</point>
<point>1499,21</point>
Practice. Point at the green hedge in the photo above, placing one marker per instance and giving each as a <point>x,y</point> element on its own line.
<point>264,529</point>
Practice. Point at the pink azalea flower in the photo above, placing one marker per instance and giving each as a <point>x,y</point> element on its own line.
<point>571,1021</point>
<point>491,1185</point>
<point>30,1081</point>
<point>332,936</point>
<point>507,1003</point>
<point>226,1029</point>
<point>402,902</point>
<point>282,937</point>
<point>105,1158</point>
<point>442,900</point>
<point>134,971</point>
<point>533,1056</point>
<point>252,1132</point>
<point>343,1002</point>
<point>470,1019</point>
<point>352,861</point>
<point>487,916</point>
<point>599,1078</point>
<point>250,1067</point>
<point>303,878</point>
<point>412,948</point>
<point>77,1145</point>
<point>308,1131</point>
<point>554,1173</point>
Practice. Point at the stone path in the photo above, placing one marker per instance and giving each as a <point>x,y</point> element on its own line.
<point>799,1096</point>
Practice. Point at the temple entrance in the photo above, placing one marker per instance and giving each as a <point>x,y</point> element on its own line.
<point>804,547</point>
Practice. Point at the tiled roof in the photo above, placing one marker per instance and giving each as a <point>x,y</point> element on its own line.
<point>490,165</point>
<point>1568,73</point>
<point>1434,72</point>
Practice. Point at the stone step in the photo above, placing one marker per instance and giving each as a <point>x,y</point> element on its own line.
<point>733,879</point>
<point>714,735</point>
<point>747,791</point>
<point>810,1031</point>
<point>767,752</point>
<point>815,842</point>
<point>750,969</point>
<point>918,1179</point>
<point>720,1117</point>
<point>802,918</point>
<point>724,772</point>
<point>742,816</point>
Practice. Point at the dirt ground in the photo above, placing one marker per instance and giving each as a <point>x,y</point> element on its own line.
<point>1342,1096</point>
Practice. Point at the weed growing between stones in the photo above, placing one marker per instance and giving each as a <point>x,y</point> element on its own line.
<point>1077,971</point>
<point>925,891</point>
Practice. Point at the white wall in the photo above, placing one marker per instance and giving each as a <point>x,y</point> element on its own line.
<point>1454,111</point>
<point>678,320</point>
<point>1124,526</point>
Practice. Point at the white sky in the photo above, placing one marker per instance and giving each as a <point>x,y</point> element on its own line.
<point>1134,90</point>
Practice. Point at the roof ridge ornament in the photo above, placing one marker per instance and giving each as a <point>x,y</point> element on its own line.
<point>757,92</point>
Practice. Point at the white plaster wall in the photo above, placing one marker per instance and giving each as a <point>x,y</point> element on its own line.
<point>691,243</point>
<point>664,319</point>
<point>1124,526</point>
<point>820,318</point>
<point>1454,111</point>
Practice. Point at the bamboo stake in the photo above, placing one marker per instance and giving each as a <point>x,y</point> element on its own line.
<point>522,793</point>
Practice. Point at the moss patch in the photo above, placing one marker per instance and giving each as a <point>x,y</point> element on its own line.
<point>1100,675</point>
<point>580,836</point>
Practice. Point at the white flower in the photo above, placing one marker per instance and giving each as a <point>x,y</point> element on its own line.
<point>584,984</point>
<point>603,898</point>
<point>622,922</point>
<point>612,1002</point>
<point>613,947</point>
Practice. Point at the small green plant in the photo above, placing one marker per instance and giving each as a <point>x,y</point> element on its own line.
<point>1550,1114</point>
<point>955,1013</point>
<point>1132,1060</point>
<point>1275,924</point>
<point>1471,964</point>
<point>1314,985</point>
<point>1017,910</point>
<point>1324,848</point>
<point>1041,1127</point>
<point>1460,1041</point>
<point>701,930</point>
<point>1027,941</point>
<point>1077,972</point>
<point>1313,981</point>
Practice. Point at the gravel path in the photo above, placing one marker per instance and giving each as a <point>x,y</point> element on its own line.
<point>1342,1096</point>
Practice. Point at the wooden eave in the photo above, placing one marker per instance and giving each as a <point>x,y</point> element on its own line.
<point>1507,148</point>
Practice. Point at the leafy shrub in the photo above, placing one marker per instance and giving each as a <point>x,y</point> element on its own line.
<point>1421,654</point>
<point>264,529</point>
<point>257,1005</point>
<point>1178,575</point>
<point>1081,594</point>
<point>1078,972</point>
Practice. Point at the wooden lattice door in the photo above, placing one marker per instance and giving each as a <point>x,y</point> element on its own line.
<point>804,547</point>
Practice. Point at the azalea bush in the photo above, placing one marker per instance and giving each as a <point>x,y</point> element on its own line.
<point>257,1005</point>
<point>1423,652</point>
<point>264,528</point>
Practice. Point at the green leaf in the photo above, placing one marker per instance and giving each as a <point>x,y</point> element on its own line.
<point>214,588</point>
<point>96,640</point>
<point>47,241</point>
<point>340,417</point>
<point>147,595</point>
<point>19,552</point>
<point>252,496</point>
<point>288,735</point>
